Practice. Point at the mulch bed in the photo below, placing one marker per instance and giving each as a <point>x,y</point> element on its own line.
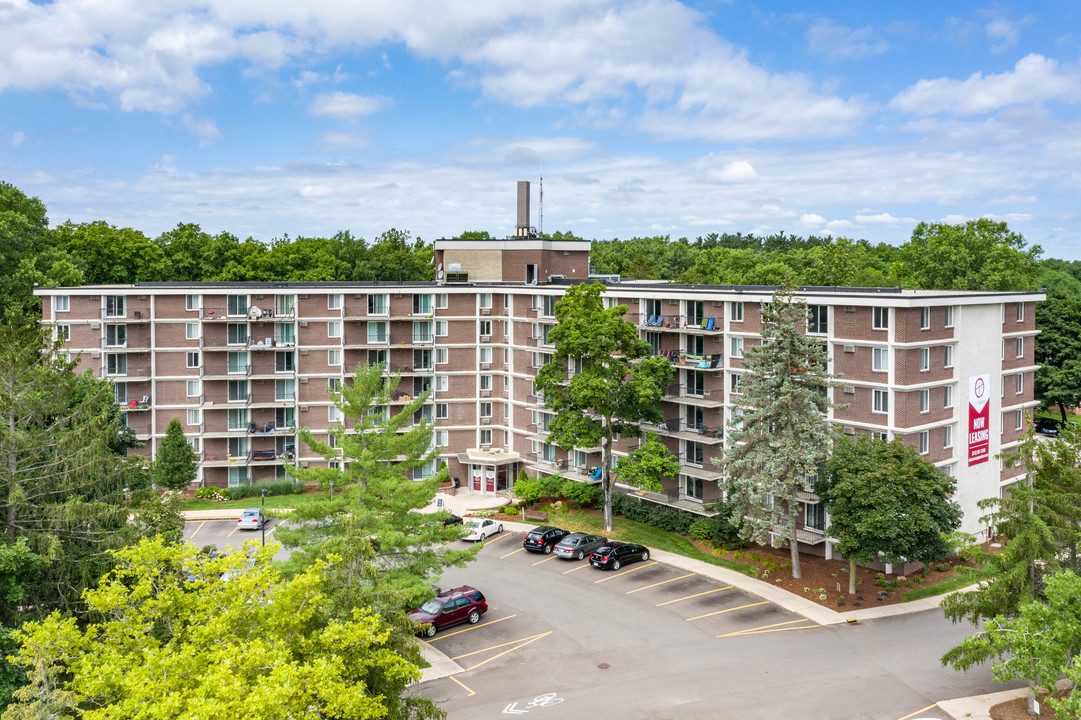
<point>1017,709</point>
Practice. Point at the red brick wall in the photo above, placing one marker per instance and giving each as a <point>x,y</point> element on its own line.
<point>1010,359</point>
<point>907,321</point>
<point>855,325</point>
<point>907,370</point>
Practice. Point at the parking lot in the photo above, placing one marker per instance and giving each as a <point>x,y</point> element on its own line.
<point>564,639</point>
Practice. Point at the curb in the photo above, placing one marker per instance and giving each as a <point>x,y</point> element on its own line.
<point>978,707</point>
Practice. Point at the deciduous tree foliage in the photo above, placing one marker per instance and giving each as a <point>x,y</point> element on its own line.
<point>977,255</point>
<point>1040,644</point>
<point>1058,351</point>
<point>648,464</point>
<point>620,382</point>
<point>177,634</point>
<point>176,464</point>
<point>780,436</point>
<point>885,501</point>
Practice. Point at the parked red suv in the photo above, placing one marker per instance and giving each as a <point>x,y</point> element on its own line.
<point>457,605</point>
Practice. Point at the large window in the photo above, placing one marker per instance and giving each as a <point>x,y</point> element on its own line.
<point>548,305</point>
<point>485,328</point>
<point>193,416</point>
<point>377,304</point>
<point>116,335</point>
<point>422,331</point>
<point>880,318</point>
<point>116,364</point>
<point>238,390</point>
<point>736,345</point>
<point>692,487</point>
<point>881,401</point>
<point>194,388</point>
<point>238,334</point>
<point>334,329</point>
<point>284,389</point>
<point>116,306</point>
<point>283,305</point>
<point>377,332</point>
<point>62,303</point>
<point>192,360</point>
<point>422,304</point>
<point>880,359</point>
<point>334,357</point>
<point>817,319</point>
<point>191,331</point>
<point>237,305</point>
<point>485,355</point>
<point>238,418</point>
<point>284,362</point>
<point>238,362</point>
<point>334,301</point>
<point>693,453</point>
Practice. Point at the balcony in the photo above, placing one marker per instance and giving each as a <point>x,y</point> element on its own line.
<point>142,403</point>
<point>671,497</point>
<point>270,428</point>
<point>806,534</point>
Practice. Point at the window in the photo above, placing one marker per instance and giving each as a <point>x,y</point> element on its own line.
<point>1019,383</point>
<point>486,409</point>
<point>486,301</point>
<point>422,304</point>
<point>692,487</point>
<point>1020,347</point>
<point>193,416</point>
<point>736,311</point>
<point>737,382</point>
<point>881,401</point>
<point>485,355</point>
<point>237,419</point>
<point>442,356</point>
<point>925,318</point>
<point>880,359</point>
<point>817,319</point>
<point>283,305</point>
<point>284,389</point>
<point>923,442</point>
<point>947,352</point>
<point>422,332</point>
<point>737,347</point>
<point>120,393</point>
<point>238,334</point>
<point>548,305</point>
<point>237,362</point>
<point>333,414</point>
<point>441,328</point>
<point>116,335</point>
<point>334,357</point>
<point>334,385</point>
<point>949,315</point>
<point>485,327</point>
<point>1018,419</point>
<point>441,301</point>
<point>191,331</point>
<point>441,383</point>
<point>377,332</point>
<point>880,318</point>
<point>237,390</point>
<point>334,301</point>
<point>237,305</point>
<point>486,382</point>
<point>1020,312</point>
<point>63,333</point>
<point>334,329</point>
<point>440,438</point>
<point>116,364</point>
<point>115,306</point>
<point>442,411</point>
<point>377,305</point>
<point>284,362</point>
<point>62,303</point>
<point>377,357</point>
<point>925,359</point>
<point>694,452</point>
<point>192,360</point>
<point>486,438</point>
<point>947,436</point>
<point>947,396</point>
<point>925,401</point>
<point>193,388</point>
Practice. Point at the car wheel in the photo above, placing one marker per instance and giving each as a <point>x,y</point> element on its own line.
<point>645,556</point>
<point>430,630</point>
<point>580,555</point>
<point>474,616</point>
<point>499,528</point>
<point>615,564</point>
<point>547,549</point>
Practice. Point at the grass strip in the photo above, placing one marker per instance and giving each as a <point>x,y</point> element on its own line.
<point>272,501</point>
<point>943,586</point>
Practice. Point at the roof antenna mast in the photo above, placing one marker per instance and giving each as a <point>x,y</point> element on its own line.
<point>540,218</point>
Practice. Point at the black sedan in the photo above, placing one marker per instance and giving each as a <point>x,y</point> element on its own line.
<point>543,538</point>
<point>616,554</point>
<point>577,545</point>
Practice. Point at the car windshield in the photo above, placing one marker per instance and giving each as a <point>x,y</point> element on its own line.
<point>250,515</point>
<point>432,607</point>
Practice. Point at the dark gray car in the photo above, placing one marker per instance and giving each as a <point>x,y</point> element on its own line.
<point>577,545</point>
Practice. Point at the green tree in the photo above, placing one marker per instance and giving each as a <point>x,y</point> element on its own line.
<point>1039,645</point>
<point>176,465</point>
<point>111,255</point>
<point>1058,352</point>
<point>648,464</point>
<point>779,435</point>
<point>885,501</point>
<point>977,255</point>
<point>620,382</point>
<point>390,552</point>
<point>231,641</point>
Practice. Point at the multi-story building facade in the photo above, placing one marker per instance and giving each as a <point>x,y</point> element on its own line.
<point>244,365</point>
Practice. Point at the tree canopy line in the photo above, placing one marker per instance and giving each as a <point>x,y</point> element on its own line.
<point>83,534</point>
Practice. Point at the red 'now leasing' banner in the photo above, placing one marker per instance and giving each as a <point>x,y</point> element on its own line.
<point>979,414</point>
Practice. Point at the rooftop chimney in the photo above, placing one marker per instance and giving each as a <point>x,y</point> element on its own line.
<point>523,229</point>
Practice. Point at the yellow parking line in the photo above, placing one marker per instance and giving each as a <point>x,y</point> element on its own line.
<point>585,565</point>
<point>512,552</point>
<point>550,557</point>
<point>707,592</point>
<point>471,627</point>
<point>662,582</point>
<point>722,612</point>
<point>919,712</point>
<point>471,693</point>
<point>639,567</point>
<point>233,531</point>
<point>484,662</point>
<point>197,529</point>
<point>497,538</point>
<point>496,647</point>
<point>766,628</point>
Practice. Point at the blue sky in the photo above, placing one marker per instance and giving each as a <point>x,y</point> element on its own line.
<point>856,119</point>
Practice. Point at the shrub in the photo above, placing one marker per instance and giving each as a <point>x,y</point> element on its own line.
<point>552,485</point>
<point>701,529</point>
<point>580,493</point>
<point>272,487</point>
<point>211,493</point>
<point>529,490</point>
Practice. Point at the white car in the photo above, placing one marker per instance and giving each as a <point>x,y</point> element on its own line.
<point>482,529</point>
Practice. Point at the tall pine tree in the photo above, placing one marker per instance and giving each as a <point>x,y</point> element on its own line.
<point>176,465</point>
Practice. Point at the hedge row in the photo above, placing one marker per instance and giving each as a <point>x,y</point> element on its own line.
<point>272,487</point>
<point>718,528</point>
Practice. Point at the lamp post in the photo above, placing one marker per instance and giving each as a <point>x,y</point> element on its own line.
<point>262,503</point>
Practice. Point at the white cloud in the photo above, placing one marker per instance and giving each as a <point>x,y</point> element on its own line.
<point>885,218</point>
<point>811,219</point>
<point>837,42</point>
<point>739,171</point>
<point>1011,218</point>
<point>204,129</point>
<point>1012,200</point>
<point>839,225</point>
<point>17,138</point>
<point>343,105</point>
<point>333,140</point>
<point>1034,79</point>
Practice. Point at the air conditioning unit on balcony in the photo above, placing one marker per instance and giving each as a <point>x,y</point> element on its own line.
<point>485,366</point>
<point>850,348</point>
<point>303,381</point>
<point>485,338</point>
<point>485,421</point>
<point>95,354</point>
<point>849,390</point>
<point>304,351</point>
<point>485,393</point>
<point>485,311</point>
<point>849,430</point>
<point>850,308</point>
<point>303,408</point>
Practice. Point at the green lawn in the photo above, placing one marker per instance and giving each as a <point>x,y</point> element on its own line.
<point>273,501</point>
<point>1054,414</point>
<point>942,587</point>
<point>636,532</point>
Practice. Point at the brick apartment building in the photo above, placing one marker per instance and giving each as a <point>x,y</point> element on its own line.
<point>243,365</point>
